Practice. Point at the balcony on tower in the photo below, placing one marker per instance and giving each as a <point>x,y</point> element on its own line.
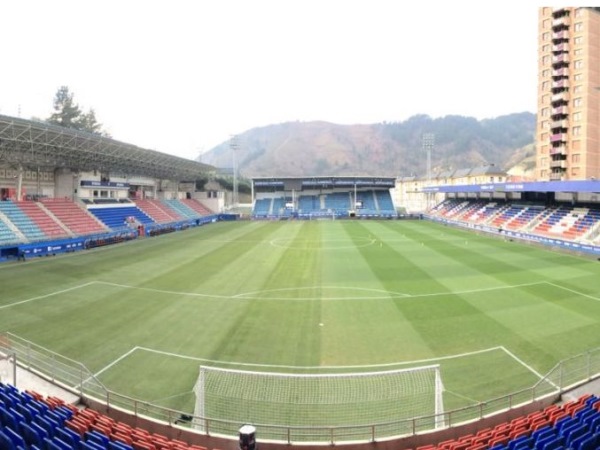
<point>562,47</point>
<point>560,36</point>
<point>562,72</point>
<point>560,124</point>
<point>560,98</point>
<point>559,163</point>
<point>560,112</point>
<point>560,150</point>
<point>561,22</point>
<point>559,11</point>
<point>558,137</point>
<point>560,84</point>
<point>562,58</point>
<point>556,176</point>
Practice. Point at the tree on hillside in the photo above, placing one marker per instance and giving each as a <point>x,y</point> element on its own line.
<point>68,114</point>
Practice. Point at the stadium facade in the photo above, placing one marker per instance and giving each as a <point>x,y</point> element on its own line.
<point>64,190</point>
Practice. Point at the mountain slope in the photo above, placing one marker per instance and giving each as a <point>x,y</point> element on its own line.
<point>384,149</point>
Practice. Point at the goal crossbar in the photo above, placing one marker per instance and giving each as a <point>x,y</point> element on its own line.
<point>317,399</point>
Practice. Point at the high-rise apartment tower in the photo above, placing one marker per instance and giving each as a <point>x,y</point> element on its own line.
<point>568,110</point>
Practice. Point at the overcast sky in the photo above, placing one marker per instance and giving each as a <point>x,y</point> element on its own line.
<point>183,76</point>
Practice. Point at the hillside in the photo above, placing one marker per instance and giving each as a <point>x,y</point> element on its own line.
<point>382,149</point>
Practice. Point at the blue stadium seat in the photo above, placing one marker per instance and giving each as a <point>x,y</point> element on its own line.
<point>15,437</point>
<point>31,436</point>
<point>5,442</point>
<point>91,445</point>
<point>46,425</point>
<point>62,444</point>
<point>98,438</point>
<point>8,419</point>
<point>555,443</point>
<point>50,445</point>
<point>520,442</point>
<point>69,436</point>
<point>118,445</point>
<point>43,433</point>
<point>587,443</point>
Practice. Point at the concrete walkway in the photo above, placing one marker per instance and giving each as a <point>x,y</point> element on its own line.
<point>29,381</point>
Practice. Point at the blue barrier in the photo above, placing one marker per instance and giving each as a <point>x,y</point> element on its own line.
<point>54,247</point>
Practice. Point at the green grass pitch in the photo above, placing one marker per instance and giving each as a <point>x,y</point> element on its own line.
<point>316,296</point>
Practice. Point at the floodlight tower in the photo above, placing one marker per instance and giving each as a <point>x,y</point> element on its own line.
<point>428,142</point>
<point>234,145</point>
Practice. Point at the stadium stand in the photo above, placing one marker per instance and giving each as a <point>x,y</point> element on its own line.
<point>30,421</point>
<point>196,206</point>
<point>117,217</point>
<point>384,201</point>
<point>573,425</point>
<point>73,217</point>
<point>182,209</point>
<point>566,222</point>
<point>307,204</point>
<point>338,202</point>
<point>158,211</point>
<point>368,203</point>
<point>41,217</point>
<point>7,235</point>
<point>262,207</point>
<point>25,225</point>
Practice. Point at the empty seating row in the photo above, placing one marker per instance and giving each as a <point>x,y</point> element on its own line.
<point>75,218</point>
<point>46,223</point>
<point>25,225</point>
<point>182,209</point>
<point>28,421</point>
<point>368,203</point>
<point>158,211</point>
<point>196,206</point>
<point>117,217</point>
<point>573,425</point>
<point>563,222</point>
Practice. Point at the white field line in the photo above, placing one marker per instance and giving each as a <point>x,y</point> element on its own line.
<point>281,366</point>
<point>254,296</point>
<point>116,361</point>
<point>41,297</point>
<point>520,361</point>
<point>163,291</point>
<point>476,291</point>
<point>591,297</point>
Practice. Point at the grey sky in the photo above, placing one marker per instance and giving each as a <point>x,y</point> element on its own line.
<point>182,76</point>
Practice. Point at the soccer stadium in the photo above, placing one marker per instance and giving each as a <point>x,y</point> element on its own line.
<point>328,318</point>
<point>451,312</point>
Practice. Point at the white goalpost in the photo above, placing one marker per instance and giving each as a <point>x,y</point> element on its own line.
<point>341,399</point>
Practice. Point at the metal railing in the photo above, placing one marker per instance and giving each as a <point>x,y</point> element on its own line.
<point>75,377</point>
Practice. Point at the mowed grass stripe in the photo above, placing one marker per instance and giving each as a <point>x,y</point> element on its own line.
<point>366,263</point>
<point>274,331</point>
<point>273,284</point>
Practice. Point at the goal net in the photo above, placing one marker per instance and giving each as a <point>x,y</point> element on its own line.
<point>318,399</point>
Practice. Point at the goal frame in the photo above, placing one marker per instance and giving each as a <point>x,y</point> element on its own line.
<point>200,411</point>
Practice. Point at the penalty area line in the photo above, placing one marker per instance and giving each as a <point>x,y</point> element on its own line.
<point>527,366</point>
<point>281,366</point>
<point>116,361</point>
<point>94,376</point>
<point>41,297</point>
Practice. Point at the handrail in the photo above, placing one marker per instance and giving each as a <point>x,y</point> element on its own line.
<point>75,377</point>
